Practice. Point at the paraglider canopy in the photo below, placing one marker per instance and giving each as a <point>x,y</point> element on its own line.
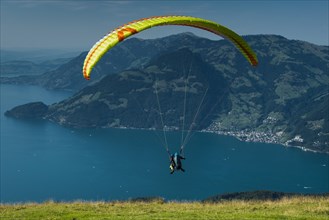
<point>122,32</point>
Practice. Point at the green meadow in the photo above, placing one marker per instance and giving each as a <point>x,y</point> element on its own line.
<point>286,208</point>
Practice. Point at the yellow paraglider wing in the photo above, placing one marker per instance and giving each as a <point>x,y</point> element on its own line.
<point>119,34</point>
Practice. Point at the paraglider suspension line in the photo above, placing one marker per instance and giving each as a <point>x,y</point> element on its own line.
<point>160,112</point>
<point>193,122</point>
<point>184,110</point>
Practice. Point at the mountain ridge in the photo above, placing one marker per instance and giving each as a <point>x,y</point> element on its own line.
<point>283,100</point>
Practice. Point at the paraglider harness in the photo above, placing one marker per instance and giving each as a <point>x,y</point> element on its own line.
<point>175,161</point>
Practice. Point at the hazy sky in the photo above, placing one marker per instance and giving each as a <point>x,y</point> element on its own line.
<point>78,24</point>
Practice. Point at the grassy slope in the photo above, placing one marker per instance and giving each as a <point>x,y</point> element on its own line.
<point>286,208</point>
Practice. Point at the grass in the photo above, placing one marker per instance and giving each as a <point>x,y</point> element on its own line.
<point>286,208</point>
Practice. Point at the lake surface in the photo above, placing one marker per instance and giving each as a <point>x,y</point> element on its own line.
<point>42,161</point>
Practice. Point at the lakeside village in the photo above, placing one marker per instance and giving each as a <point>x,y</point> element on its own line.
<point>249,135</point>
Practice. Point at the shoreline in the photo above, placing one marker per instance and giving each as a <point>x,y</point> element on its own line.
<point>244,136</point>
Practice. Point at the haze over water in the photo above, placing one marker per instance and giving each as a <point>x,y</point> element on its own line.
<point>41,161</point>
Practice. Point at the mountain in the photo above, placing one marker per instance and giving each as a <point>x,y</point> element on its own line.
<point>132,53</point>
<point>283,100</point>
<point>120,97</point>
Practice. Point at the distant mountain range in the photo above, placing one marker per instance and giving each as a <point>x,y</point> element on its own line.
<point>35,55</point>
<point>24,67</point>
<point>30,62</point>
<point>283,100</point>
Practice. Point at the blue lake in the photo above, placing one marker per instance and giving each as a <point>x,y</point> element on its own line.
<point>41,161</point>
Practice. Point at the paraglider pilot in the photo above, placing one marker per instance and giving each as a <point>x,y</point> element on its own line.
<point>176,163</point>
